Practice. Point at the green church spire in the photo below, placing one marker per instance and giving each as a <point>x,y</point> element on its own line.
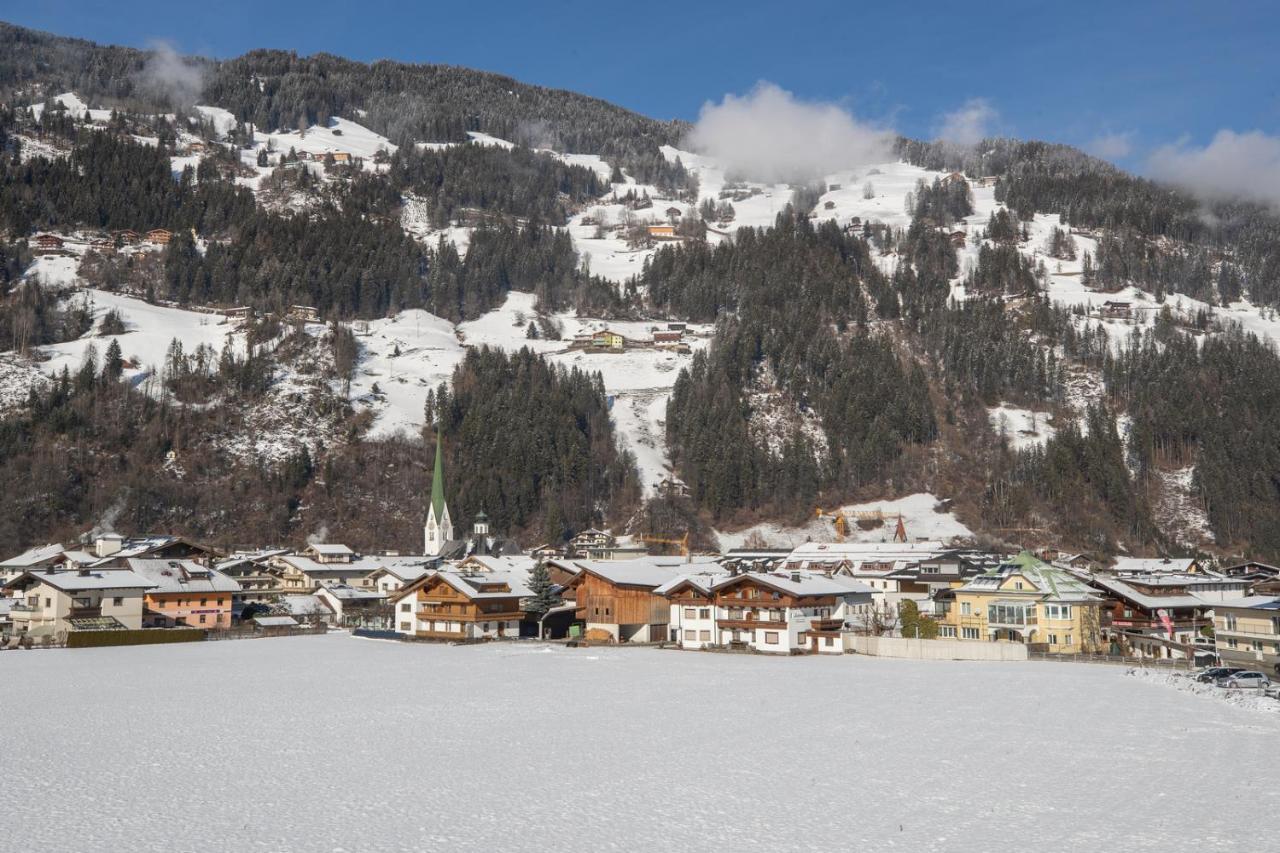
<point>437,480</point>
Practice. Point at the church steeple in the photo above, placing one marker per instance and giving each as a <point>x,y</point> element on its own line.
<point>439,527</point>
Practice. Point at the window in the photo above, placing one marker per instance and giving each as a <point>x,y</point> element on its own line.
<point>1068,640</point>
<point>1060,611</point>
<point>828,641</point>
<point>1257,645</point>
<point>1053,639</point>
<point>704,636</point>
<point>771,638</point>
<point>704,613</point>
<point>1275,624</point>
<point>966,609</point>
<point>970,633</point>
<point>1231,622</point>
<point>1231,643</point>
<point>82,602</point>
<point>1017,584</point>
<point>690,613</point>
<point>690,634</point>
<point>204,602</point>
<point>406,608</point>
<point>202,618</point>
<point>406,626</point>
<point>947,631</point>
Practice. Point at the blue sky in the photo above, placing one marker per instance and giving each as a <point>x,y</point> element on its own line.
<point>1123,78</point>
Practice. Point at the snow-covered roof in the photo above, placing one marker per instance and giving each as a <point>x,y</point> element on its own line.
<point>1049,580</point>
<point>237,560</point>
<point>1152,565</point>
<point>33,557</point>
<point>275,621</point>
<point>488,584</point>
<point>331,549</point>
<point>308,566</point>
<point>1252,602</point>
<point>349,593</point>
<point>304,605</point>
<point>793,583</point>
<point>1148,602</point>
<point>644,571</point>
<point>81,580</point>
<point>182,576</point>
<point>896,554</point>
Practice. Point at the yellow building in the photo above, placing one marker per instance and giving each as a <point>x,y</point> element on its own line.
<point>608,340</point>
<point>1026,600</point>
<point>1248,632</point>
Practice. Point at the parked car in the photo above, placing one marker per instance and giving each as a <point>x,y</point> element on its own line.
<point>1213,673</point>
<point>1247,678</point>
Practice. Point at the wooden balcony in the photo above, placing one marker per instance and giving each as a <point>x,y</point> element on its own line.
<point>84,612</point>
<point>752,624</point>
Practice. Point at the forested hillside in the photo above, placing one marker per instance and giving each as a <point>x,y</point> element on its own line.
<point>376,229</point>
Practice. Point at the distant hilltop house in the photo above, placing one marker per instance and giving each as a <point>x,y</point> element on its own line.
<point>159,236</point>
<point>953,178</point>
<point>48,242</point>
<point>341,156</point>
<point>196,147</point>
<point>1117,310</point>
<point>608,340</point>
<point>305,313</point>
<point>674,213</point>
<point>663,232</point>
<point>832,187</point>
<point>958,239</point>
<point>129,237</point>
<point>828,205</point>
<point>103,246</point>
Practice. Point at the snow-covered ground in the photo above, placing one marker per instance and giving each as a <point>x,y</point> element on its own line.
<point>347,744</point>
<point>1022,428</point>
<point>149,330</point>
<point>405,356</point>
<point>922,514</point>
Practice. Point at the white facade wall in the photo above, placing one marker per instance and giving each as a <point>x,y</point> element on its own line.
<point>695,626</point>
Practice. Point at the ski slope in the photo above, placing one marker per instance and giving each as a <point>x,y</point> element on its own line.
<point>382,746</point>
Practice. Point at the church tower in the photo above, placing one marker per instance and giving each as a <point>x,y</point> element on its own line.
<point>439,527</point>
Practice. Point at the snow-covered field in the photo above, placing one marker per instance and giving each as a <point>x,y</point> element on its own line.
<point>923,515</point>
<point>341,744</point>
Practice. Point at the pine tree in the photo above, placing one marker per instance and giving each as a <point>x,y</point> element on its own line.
<point>544,595</point>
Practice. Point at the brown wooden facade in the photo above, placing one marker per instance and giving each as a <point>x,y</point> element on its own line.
<point>603,601</point>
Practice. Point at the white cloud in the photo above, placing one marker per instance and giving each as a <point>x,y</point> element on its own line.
<point>1233,164</point>
<point>971,123</point>
<point>170,75</point>
<point>1111,146</point>
<point>769,135</point>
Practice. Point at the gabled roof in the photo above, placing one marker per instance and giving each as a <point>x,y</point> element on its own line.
<point>33,557</point>
<point>331,549</point>
<point>1047,579</point>
<point>344,592</point>
<point>182,576</point>
<point>793,583</point>
<point>1152,565</point>
<point>474,586</point>
<point>649,572</point>
<point>82,580</point>
<point>308,566</point>
<point>303,605</point>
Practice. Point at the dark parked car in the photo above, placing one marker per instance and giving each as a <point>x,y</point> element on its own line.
<point>1248,678</point>
<point>1213,673</point>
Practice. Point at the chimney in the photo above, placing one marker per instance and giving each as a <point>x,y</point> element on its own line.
<point>108,544</point>
<point>84,571</point>
<point>795,577</point>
